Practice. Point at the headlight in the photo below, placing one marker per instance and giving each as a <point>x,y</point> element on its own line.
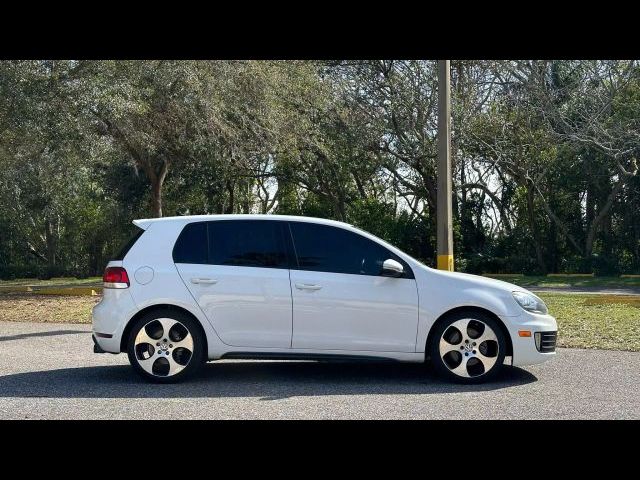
<point>530,302</point>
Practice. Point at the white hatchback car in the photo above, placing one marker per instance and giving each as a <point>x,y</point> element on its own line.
<point>190,289</point>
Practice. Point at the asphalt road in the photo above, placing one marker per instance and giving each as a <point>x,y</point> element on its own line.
<point>49,371</point>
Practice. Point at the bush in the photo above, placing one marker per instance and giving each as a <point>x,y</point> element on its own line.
<point>480,264</point>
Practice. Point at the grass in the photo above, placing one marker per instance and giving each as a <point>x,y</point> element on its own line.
<point>610,322</point>
<point>569,281</point>
<point>51,282</point>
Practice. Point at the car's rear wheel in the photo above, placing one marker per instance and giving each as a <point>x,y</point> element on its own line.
<point>468,348</point>
<point>165,346</point>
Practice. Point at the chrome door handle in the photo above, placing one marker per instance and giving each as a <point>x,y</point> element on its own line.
<point>308,286</point>
<point>205,281</point>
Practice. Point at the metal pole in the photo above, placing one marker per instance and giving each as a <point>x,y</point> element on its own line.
<point>445,224</point>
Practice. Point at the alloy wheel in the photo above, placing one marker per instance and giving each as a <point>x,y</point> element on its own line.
<point>163,347</point>
<point>469,348</point>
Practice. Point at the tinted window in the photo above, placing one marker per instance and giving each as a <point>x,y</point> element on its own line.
<point>127,246</point>
<point>329,249</point>
<point>247,243</point>
<point>191,246</point>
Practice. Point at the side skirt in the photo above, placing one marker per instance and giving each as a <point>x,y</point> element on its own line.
<point>305,356</point>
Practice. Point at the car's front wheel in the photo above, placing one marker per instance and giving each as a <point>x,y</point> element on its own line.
<point>165,346</point>
<point>468,347</point>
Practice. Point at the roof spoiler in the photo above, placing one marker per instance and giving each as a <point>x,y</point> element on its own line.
<point>143,223</point>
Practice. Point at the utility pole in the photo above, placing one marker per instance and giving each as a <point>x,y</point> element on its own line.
<point>444,221</point>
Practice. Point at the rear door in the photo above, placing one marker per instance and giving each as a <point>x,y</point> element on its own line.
<point>240,279</point>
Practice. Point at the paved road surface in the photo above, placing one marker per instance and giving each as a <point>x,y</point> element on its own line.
<point>49,371</point>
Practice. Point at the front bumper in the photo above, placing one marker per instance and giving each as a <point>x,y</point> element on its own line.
<point>525,351</point>
<point>96,346</point>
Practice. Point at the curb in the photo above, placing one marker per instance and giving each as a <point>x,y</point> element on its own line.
<point>88,291</point>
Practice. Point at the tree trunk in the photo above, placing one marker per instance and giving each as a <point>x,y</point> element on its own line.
<point>590,206</point>
<point>156,199</point>
<point>157,181</point>
<point>246,201</point>
<point>231,205</point>
<point>604,211</point>
<point>535,233</point>
<point>51,243</point>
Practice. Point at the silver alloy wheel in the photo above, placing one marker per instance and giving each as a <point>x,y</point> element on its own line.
<point>469,347</point>
<point>163,347</point>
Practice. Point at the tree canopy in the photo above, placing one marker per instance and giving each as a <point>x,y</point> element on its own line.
<point>545,167</point>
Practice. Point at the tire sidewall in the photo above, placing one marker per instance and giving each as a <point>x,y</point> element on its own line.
<point>438,364</point>
<point>197,357</point>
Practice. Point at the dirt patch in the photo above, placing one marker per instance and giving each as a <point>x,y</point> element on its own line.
<point>46,308</point>
<point>631,300</point>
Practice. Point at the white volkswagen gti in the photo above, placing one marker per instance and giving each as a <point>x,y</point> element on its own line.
<point>186,290</point>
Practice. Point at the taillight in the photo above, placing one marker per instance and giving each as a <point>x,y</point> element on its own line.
<point>115,277</point>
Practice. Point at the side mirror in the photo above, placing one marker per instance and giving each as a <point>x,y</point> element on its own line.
<point>392,268</point>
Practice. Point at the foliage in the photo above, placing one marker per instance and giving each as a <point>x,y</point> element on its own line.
<point>545,172</point>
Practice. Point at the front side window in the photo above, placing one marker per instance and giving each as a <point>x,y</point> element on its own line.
<point>324,248</point>
<point>247,243</point>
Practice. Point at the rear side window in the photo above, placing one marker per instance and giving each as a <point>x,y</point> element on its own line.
<point>191,246</point>
<point>247,243</point>
<point>127,246</point>
<point>323,248</point>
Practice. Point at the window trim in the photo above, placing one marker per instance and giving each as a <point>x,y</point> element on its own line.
<point>408,271</point>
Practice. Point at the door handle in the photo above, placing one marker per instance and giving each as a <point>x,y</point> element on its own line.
<point>308,286</point>
<point>205,281</point>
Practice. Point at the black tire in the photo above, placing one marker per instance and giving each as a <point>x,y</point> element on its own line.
<point>445,371</point>
<point>195,359</point>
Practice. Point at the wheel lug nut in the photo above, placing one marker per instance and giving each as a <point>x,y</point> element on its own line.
<point>165,340</point>
<point>157,344</point>
<point>466,354</point>
<point>461,348</point>
<point>466,341</point>
<point>474,352</point>
<point>474,344</point>
<point>170,346</point>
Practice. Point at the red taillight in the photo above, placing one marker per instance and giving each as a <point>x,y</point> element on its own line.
<point>115,277</point>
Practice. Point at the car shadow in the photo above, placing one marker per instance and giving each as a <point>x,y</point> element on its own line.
<point>271,380</point>
<point>51,333</point>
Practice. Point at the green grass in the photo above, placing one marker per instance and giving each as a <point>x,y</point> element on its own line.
<point>610,322</point>
<point>51,282</point>
<point>569,281</point>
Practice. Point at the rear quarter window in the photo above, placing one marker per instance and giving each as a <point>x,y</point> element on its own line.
<point>191,246</point>
<point>127,246</point>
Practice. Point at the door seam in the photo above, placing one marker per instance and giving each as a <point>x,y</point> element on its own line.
<point>291,293</point>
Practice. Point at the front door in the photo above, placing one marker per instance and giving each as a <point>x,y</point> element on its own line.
<point>340,300</point>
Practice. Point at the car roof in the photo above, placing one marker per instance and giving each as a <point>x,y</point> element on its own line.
<point>144,223</point>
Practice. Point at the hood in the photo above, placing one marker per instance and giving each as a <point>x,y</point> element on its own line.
<point>443,290</point>
<point>479,281</point>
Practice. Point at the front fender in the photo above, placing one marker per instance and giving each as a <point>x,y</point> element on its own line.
<point>441,294</point>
